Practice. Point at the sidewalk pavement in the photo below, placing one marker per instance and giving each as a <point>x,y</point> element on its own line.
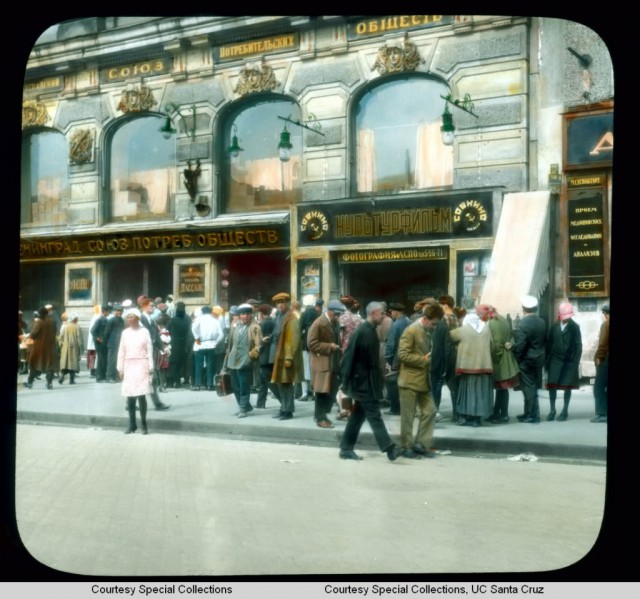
<point>88,403</point>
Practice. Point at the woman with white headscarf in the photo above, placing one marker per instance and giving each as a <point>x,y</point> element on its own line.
<point>135,367</point>
<point>71,348</point>
<point>474,367</point>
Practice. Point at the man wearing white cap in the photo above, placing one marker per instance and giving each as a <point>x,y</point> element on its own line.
<point>529,350</point>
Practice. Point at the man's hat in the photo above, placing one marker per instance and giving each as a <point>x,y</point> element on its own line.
<point>253,302</point>
<point>319,302</point>
<point>233,310</point>
<point>605,309</point>
<point>106,308</point>
<point>336,306</point>
<point>282,297</point>
<point>397,306</point>
<point>266,309</point>
<point>245,309</point>
<point>529,302</point>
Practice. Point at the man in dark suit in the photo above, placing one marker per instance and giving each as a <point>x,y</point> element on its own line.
<point>147,307</point>
<point>102,351</point>
<point>361,380</point>
<point>529,349</point>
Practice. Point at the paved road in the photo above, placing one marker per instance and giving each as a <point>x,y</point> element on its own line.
<point>97,502</point>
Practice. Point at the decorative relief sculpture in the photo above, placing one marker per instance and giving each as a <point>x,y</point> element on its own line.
<point>136,100</point>
<point>191,179</point>
<point>393,59</point>
<point>81,147</point>
<point>34,114</point>
<point>256,80</point>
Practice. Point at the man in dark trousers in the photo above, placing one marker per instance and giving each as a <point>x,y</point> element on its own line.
<point>323,341</point>
<point>361,380</point>
<point>529,350</point>
<point>392,362</point>
<point>102,351</point>
<point>146,309</point>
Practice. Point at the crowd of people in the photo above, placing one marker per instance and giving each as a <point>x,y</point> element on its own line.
<point>331,354</point>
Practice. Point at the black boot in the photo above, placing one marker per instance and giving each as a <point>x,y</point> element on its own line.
<point>131,408</point>
<point>61,378</point>
<point>72,377</point>
<point>565,408</point>
<point>142,401</point>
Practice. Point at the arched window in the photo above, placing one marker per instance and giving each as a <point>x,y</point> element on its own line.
<point>142,172</point>
<point>45,179</point>
<point>398,140</point>
<point>256,177</point>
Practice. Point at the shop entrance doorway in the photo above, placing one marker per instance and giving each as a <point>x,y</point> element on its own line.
<point>130,278</point>
<point>254,276</point>
<point>406,282</point>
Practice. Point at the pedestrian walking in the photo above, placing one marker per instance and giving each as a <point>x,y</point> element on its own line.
<point>414,353</point>
<point>529,349</point>
<point>601,359</point>
<point>323,342</point>
<point>135,364</point>
<point>564,350</point>
<point>71,348</point>
<point>361,380</point>
<point>43,352</point>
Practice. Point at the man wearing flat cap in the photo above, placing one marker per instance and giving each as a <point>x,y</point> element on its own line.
<point>529,349</point>
<point>243,350</point>
<point>286,354</point>
<point>323,342</point>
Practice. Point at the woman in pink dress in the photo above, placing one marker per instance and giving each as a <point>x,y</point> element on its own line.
<point>135,368</point>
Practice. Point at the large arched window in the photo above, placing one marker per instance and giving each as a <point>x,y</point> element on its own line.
<point>45,181</point>
<point>256,177</point>
<point>143,172</point>
<point>398,140</point>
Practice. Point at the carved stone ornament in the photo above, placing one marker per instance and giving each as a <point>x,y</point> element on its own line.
<point>256,80</point>
<point>394,59</point>
<point>136,100</point>
<point>81,146</point>
<point>34,114</point>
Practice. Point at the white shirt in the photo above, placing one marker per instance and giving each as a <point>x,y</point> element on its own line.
<point>207,329</point>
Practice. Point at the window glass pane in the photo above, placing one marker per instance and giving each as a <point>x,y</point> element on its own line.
<point>45,195</point>
<point>398,143</point>
<point>143,172</point>
<point>258,179</point>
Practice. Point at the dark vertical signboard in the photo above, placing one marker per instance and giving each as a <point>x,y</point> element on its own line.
<point>586,217</point>
<point>80,284</point>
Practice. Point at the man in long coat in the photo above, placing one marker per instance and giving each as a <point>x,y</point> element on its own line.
<point>323,342</point>
<point>361,380</point>
<point>71,348</point>
<point>102,351</point>
<point>286,353</point>
<point>529,350</point>
<point>43,354</point>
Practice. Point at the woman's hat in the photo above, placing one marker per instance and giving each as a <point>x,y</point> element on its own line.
<point>132,312</point>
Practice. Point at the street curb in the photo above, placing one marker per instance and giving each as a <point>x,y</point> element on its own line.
<point>321,437</point>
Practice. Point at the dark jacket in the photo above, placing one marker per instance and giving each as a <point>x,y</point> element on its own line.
<point>564,349</point>
<point>98,329</point>
<point>530,338</point>
<point>113,332</point>
<point>179,328</point>
<point>360,367</point>
<point>266,328</point>
<point>393,338</point>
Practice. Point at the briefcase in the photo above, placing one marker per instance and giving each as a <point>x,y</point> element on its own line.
<point>222,383</point>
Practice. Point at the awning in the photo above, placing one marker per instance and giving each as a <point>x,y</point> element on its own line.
<point>520,259</point>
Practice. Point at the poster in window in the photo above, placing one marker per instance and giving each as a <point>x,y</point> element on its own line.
<point>310,284</point>
<point>470,267</point>
<point>80,284</point>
